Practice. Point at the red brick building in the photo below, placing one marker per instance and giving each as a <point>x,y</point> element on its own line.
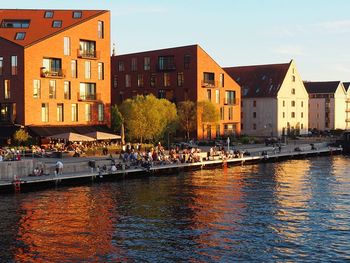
<point>179,74</point>
<point>54,69</point>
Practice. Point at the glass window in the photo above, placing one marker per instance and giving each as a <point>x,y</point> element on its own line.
<point>100,112</point>
<point>283,103</point>
<point>230,113</point>
<point>140,80</point>
<point>59,112</point>
<point>121,66</point>
<point>293,91</point>
<point>36,89</point>
<point>100,29</point>
<point>254,103</point>
<point>166,63</point>
<point>187,60</point>
<point>1,65</point>
<point>127,81</point>
<point>209,94</point>
<point>87,91</point>
<point>161,94</point>
<point>66,90</point>
<point>293,114</point>
<point>14,66</point>
<point>52,89</point>
<point>217,96</point>
<point>52,67</point>
<point>44,112</point>
<point>208,79</point>
<point>7,90</point>
<point>302,104</point>
<point>48,14</point>
<point>134,64</point>
<point>57,23</point>
<point>222,113</point>
<point>302,114</point>
<point>222,80</point>
<point>87,69</point>
<point>166,78</point>
<point>180,79</point>
<point>254,114</point>
<point>66,46</point>
<point>146,63</point>
<point>153,80</point>
<point>100,70</point>
<point>293,103</point>
<point>73,68</point>
<point>230,98</point>
<point>88,112</point>
<point>87,49</point>
<point>20,35</point>
<point>15,23</point>
<point>77,14</point>
<point>74,112</point>
<point>115,81</point>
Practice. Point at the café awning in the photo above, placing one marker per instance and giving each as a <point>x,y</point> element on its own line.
<point>72,137</point>
<point>103,135</point>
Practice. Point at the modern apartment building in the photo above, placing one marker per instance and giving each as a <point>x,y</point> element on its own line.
<point>179,74</point>
<point>54,69</point>
<point>327,105</point>
<point>274,99</point>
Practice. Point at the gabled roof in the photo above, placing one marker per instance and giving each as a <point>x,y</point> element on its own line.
<point>259,80</point>
<point>40,27</point>
<point>321,86</point>
<point>346,85</point>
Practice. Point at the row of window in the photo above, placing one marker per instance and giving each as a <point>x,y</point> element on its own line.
<point>14,65</point>
<point>74,112</point>
<point>254,126</point>
<point>230,96</point>
<point>292,115</point>
<point>164,63</point>
<point>292,103</point>
<point>229,129</point>
<point>75,14</point>
<point>230,113</point>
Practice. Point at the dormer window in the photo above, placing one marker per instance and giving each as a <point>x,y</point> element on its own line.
<point>20,35</point>
<point>57,23</point>
<point>15,23</point>
<point>77,14</point>
<point>48,14</point>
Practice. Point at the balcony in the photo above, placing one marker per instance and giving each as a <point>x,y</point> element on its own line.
<point>88,54</point>
<point>88,97</point>
<point>52,73</point>
<point>209,83</point>
<point>233,102</point>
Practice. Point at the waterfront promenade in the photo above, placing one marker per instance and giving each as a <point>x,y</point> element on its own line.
<point>79,170</point>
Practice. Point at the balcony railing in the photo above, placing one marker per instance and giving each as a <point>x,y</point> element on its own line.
<point>234,102</point>
<point>57,73</point>
<point>209,83</point>
<point>89,97</point>
<point>90,54</point>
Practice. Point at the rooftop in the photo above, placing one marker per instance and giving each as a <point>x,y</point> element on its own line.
<point>321,86</point>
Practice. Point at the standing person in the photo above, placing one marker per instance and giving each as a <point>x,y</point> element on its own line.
<point>59,167</point>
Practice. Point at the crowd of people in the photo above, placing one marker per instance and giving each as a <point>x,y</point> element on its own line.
<point>10,154</point>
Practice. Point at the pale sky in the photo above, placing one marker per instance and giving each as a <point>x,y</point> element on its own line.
<point>315,33</point>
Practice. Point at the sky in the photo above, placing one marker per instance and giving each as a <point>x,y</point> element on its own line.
<point>315,33</point>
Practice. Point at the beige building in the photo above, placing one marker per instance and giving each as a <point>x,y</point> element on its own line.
<point>347,120</point>
<point>327,105</point>
<point>274,99</point>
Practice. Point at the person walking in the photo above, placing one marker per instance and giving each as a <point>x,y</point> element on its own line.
<point>59,167</point>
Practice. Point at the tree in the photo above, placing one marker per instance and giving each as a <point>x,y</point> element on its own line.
<point>148,118</point>
<point>208,112</point>
<point>21,136</point>
<point>187,113</point>
<point>116,119</point>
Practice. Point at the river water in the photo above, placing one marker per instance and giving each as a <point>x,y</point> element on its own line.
<point>293,211</point>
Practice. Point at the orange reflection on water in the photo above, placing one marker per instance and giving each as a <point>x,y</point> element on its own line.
<point>66,225</point>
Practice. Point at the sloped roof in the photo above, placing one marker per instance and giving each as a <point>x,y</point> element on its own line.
<point>321,86</point>
<point>259,80</point>
<point>346,85</point>
<point>39,26</point>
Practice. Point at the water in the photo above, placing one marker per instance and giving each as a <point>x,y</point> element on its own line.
<point>294,211</point>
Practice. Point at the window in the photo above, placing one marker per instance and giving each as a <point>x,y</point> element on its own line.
<point>52,89</point>
<point>115,81</point>
<point>254,126</point>
<point>254,114</point>
<point>100,112</point>
<point>100,71</point>
<point>166,63</point>
<point>36,89</point>
<point>77,14</point>
<point>57,23</point>
<point>161,94</point>
<point>44,112</point>
<point>283,103</point>
<point>187,60</point>
<point>186,94</point>
<point>293,115</point>
<point>74,112</point>
<point>121,66</point>
<point>208,79</point>
<point>180,79</point>
<point>14,66</point>
<point>87,91</point>
<point>230,97</point>
<point>146,63</point>
<point>209,94</point>
<point>166,78</point>
<point>293,78</point>
<point>52,67</point>
<point>222,80</point>
<point>222,113</point>
<point>87,49</point>
<point>127,80</point>
<point>73,69</point>
<point>153,80</point>
<point>20,35</point>
<point>66,90</point>
<point>217,96</point>
<point>254,103</point>
<point>134,64</point>
<point>140,80</point>
<point>1,65</point>
<point>87,69</point>
<point>87,112</point>
<point>10,23</point>
<point>302,104</point>
<point>293,91</point>
<point>48,14</point>
<point>7,91</point>
<point>217,131</point>
<point>66,46</point>
<point>230,113</point>
<point>59,112</point>
<point>293,103</point>
<point>209,132</point>
<point>284,114</point>
<point>100,29</point>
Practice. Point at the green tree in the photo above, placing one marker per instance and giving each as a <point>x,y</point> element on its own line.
<point>21,136</point>
<point>208,113</point>
<point>116,119</point>
<point>187,113</point>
